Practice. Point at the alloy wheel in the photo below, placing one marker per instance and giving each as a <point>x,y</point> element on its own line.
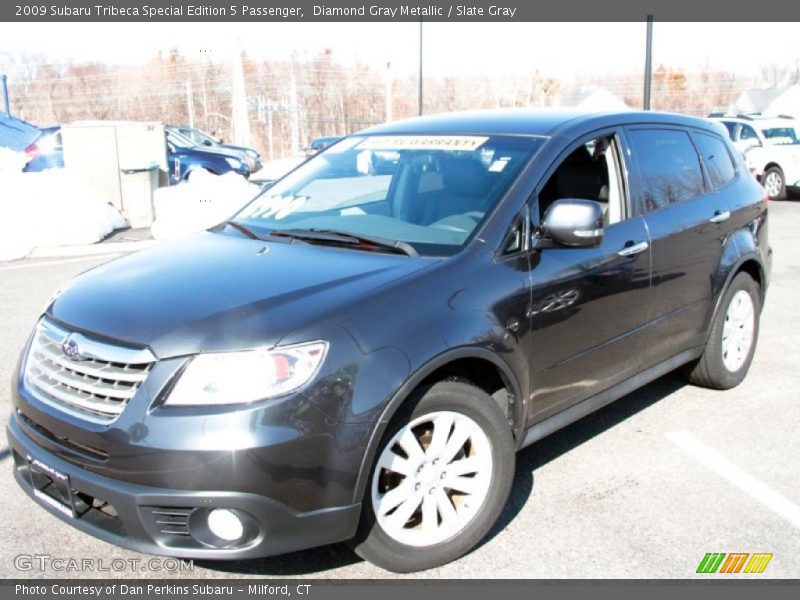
<point>737,331</point>
<point>432,478</point>
<point>773,183</point>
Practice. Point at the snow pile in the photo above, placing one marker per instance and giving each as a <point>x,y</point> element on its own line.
<point>51,208</point>
<point>199,203</point>
<point>11,161</point>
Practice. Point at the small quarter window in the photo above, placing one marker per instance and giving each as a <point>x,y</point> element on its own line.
<point>669,166</point>
<point>716,158</point>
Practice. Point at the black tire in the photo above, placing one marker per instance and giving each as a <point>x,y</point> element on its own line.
<point>775,172</point>
<point>377,546</point>
<point>710,370</point>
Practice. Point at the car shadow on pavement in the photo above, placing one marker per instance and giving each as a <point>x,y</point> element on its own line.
<point>572,436</point>
<point>319,560</point>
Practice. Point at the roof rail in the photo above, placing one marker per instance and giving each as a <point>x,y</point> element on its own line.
<point>747,117</point>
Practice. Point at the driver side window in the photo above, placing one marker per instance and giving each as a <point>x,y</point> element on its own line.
<point>592,171</point>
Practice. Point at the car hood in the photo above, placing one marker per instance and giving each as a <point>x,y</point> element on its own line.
<point>228,152</point>
<point>216,292</point>
<point>241,149</point>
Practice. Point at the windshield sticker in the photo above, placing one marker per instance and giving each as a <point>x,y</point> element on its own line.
<point>466,143</point>
<point>277,207</point>
<point>498,165</point>
<point>343,145</point>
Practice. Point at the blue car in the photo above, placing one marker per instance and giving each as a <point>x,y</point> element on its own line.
<point>46,152</point>
<point>184,157</point>
<point>205,141</point>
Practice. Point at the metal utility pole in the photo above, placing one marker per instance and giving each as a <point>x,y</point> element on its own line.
<point>648,62</point>
<point>420,66</point>
<point>294,114</point>
<point>190,102</point>
<point>6,103</point>
<point>388,92</point>
<point>269,129</point>
<point>239,118</point>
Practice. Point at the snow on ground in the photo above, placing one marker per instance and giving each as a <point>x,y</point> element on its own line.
<point>199,203</point>
<point>11,161</point>
<point>50,208</point>
<point>57,208</point>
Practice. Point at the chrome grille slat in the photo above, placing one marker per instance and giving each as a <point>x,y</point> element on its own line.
<point>106,371</point>
<point>93,387</point>
<point>97,384</point>
<point>99,407</point>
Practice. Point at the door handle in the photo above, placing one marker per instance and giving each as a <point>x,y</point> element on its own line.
<point>720,216</point>
<point>630,248</point>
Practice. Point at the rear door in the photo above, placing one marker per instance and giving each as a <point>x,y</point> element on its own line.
<point>687,219</point>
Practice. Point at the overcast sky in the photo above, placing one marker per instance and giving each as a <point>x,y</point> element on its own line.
<point>563,49</point>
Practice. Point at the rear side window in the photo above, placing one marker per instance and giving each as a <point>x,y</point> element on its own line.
<point>747,133</point>
<point>716,158</point>
<point>669,166</point>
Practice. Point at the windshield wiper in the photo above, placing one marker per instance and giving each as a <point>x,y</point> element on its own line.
<point>242,229</point>
<point>358,241</point>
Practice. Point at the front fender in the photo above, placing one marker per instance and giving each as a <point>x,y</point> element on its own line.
<point>412,383</point>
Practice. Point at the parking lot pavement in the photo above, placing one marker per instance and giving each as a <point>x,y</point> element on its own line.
<point>642,489</point>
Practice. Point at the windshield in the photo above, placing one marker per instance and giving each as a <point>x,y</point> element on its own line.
<point>781,136</point>
<point>202,138</point>
<point>176,139</point>
<point>431,192</point>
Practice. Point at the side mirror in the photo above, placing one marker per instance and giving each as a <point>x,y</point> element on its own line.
<point>573,222</point>
<point>207,143</point>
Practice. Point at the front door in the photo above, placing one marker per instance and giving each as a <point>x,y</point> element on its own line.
<point>589,305</point>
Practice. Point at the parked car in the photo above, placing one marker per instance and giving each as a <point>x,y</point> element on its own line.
<point>771,146</point>
<point>16,134</point>
<point>47,152</point>
<point>184,157</point>
<point>319,144</point>
<point>358,356</point>
<point>200,138</point>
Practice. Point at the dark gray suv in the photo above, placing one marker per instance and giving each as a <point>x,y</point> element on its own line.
<point>358,354</point>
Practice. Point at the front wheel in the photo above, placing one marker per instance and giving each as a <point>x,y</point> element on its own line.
<point>732,340</point>
<point>441,478</point>
<point>774,183</point>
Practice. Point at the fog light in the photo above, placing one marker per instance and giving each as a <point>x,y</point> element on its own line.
<point>224,524</point>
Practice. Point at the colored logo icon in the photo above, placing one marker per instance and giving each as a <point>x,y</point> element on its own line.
<point>734,562</point>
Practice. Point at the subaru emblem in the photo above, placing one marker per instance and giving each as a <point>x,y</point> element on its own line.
<point>70,348</point>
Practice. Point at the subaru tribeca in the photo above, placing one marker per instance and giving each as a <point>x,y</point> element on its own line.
<point>359,352</point>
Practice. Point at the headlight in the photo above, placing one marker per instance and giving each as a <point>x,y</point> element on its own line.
<point>234,163</point>
<point>241,377</point>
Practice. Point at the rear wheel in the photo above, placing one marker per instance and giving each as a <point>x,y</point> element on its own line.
<point>732,341</point>
<point>441,478</point>
<point>775,183</point>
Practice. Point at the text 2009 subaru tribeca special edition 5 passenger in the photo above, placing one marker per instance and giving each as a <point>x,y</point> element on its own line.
<point>359,352</point>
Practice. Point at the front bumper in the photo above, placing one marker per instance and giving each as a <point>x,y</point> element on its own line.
<point>171,522</point>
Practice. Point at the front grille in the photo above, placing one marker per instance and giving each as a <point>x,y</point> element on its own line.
<point>82,375</point>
